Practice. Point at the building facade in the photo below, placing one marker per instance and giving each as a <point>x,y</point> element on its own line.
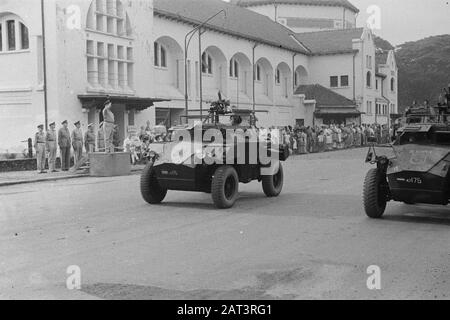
<point>93,49</point>
<point>306,15</point>
<point>134,52</point>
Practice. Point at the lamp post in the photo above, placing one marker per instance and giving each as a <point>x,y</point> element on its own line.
<point>187,41</point>
<point>44,59</point>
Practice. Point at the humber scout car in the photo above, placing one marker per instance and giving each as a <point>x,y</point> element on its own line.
<point>416,168</point>
<point>189,162</point>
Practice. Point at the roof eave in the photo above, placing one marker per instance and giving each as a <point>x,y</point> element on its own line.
<point>255,4</point>
<point>170,15</point>
<point>353,51</point>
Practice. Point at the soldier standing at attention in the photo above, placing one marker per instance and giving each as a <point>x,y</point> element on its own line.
<point>89,139</point>
<point>64,146</point>
<point>51,147</point>
<point>101,138</point>
<point>108,126</point>
<point>39,145</point>
<point>77,142</point>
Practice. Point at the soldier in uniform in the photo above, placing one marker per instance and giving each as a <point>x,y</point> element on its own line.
<point>51,146</point>
<point>64,143</point>
<point>101,138</point>
<point>108,126</point>
<point>77,142</point>
<point>39,146</point>
<point>89,139</point>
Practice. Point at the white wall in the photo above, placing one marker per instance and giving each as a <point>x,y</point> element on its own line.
<point>66,67</point>
<point>323,67</point>
<point>21,107</point>
<point>223,48</point>
<point>305,11</point>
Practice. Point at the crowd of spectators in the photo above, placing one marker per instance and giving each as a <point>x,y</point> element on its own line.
<point>303,140</point>
<point>139,144</point>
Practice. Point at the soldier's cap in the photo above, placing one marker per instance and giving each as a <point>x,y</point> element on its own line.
<point>52,124</point>
<point>107,102</point>
<point>41,126</point>
<point>78,122</point>
<point>64,122</point>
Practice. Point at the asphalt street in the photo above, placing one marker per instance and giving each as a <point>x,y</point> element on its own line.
<point>313,242</point>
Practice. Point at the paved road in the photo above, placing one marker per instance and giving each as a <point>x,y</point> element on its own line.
<point>313,242</point>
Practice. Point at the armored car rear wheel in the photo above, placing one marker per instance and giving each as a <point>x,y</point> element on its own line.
<point>151,191</point>
<point>272,185</point>
<point>225,187</point>
<point>375,199</point>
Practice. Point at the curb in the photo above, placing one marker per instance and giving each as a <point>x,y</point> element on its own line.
<point>12,183</point>
<point>83,175</point>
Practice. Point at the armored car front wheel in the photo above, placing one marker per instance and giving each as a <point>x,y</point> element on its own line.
<point>272,185</point>
<point>375,198</point>
<point>225,187</point>
<point>151,191</point>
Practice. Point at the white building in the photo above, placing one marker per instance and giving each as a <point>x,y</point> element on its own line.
<point>134,52</point>
<point>93,49</point>
<point>306,15</point>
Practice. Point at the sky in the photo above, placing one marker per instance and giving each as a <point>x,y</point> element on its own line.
<point>407,20</point>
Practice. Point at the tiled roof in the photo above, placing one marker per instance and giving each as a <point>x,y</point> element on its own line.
<point>330,42</point>
<point>334,3</point>
<point>323,96</point>
<point>238,22</point>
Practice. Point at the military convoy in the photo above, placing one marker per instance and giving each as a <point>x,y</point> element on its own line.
<point>197,161</point>
<point>416,167</point>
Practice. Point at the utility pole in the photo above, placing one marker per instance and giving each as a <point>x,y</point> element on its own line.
<point>44,65</point>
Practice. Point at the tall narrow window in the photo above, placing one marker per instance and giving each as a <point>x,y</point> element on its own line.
<point>392,84</point>
<point>234,68</point>
<point>278,76</point>
<point>11,35</point>
<point>1,37</point>
<point>206,63</point>
<point>369,79</point>
<point>258,73</point>
<point>210,71</point>
<point>163,57</point>
<point>156,54</point>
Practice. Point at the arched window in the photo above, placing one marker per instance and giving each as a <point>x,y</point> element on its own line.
<point>110,61</point>
<point>234,68</point>
<point>392,84</point>
<point>369,79</point>
<point>278,76</point>
<point>258,73</point>
<point>160,55</point>
<point>207,63</point>
<point>13,34</point>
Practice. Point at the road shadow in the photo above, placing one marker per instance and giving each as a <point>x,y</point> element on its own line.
<point>116,291</point>
<point>420,214</point>
<point>287,204</point>
<point>267,285</point>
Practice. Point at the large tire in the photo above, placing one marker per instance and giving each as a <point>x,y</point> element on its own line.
<point>374,198</point>
<point>225,187</point>
<point>151,191</point>
<point>272,185</point>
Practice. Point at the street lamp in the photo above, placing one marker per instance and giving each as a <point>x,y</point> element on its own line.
<point>187,41</point>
